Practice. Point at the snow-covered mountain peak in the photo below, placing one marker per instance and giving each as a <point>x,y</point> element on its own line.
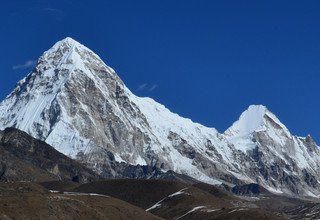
<point>251,120</point>
<point>70,54</point>
<point>66,65</point>
<point>65,46</point>
<point>68,41</point>
<point>256,118</point>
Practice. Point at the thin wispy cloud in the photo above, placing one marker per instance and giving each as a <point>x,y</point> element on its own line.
<point>27,64</point>
<point>153,87</point>
<point>147,87</point>
<point>53,10</point>
<point>142,87</point>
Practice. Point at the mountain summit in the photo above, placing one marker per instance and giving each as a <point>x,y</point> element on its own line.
<point>255,118</point>
<point>73,101</point>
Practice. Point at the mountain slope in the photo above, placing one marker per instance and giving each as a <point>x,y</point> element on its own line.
<point>25,200</point>
<point>175,200</point>
<point>76,103</point>
<point>24,158</point>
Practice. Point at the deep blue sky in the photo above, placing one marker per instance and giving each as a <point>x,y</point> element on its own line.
<point>205,60</point>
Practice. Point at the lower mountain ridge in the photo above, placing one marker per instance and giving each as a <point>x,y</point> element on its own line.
<point>76,103</point>
<point>143,199</point>
<point>24,158</point>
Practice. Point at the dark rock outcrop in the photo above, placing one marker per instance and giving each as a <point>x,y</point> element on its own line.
<point>24,158</point>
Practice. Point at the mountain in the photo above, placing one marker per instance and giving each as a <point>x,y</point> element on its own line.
<point>283,162</point>
<point>24,158</point>
<point>73,101</point>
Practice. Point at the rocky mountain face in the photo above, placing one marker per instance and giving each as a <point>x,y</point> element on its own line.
<point>24,158</point>
<point>73,101</point>
<point>283,161</point>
